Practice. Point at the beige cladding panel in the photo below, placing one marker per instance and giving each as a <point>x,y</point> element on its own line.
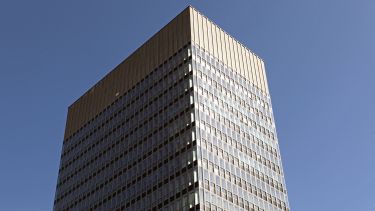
<point>224,47</point>
<point>194,21</point>
<point>243,62</point>
<point>213,40</point>
<point>234,56</point>
<point>248,65</point>
<point>200,28</point>
<point>259,84</point>
<point>220,43</point>
<point>261,74</point>
<point>249,59</point>
<point>205,33</point>
<point>238,58</point>
<point>209,36</point>
<point>230,52</point>
<point>264,76</point>
<point>226,50</point>
<point>252,68</point>
<point>257,71</point>
<point>145,59</point>
<point>216,43</point>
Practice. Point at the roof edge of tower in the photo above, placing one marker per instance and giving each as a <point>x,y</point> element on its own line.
<point>131,54</point>
<point>153,52</point>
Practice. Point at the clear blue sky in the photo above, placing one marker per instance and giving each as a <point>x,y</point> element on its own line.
<point>320,60</point>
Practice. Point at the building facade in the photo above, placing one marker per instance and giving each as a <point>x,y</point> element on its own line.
<point>184,123</point>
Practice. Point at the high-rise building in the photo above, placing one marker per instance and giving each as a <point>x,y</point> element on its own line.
<point>184,123</point>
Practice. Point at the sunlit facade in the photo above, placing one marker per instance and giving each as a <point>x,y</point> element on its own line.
<point>239,160</point>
